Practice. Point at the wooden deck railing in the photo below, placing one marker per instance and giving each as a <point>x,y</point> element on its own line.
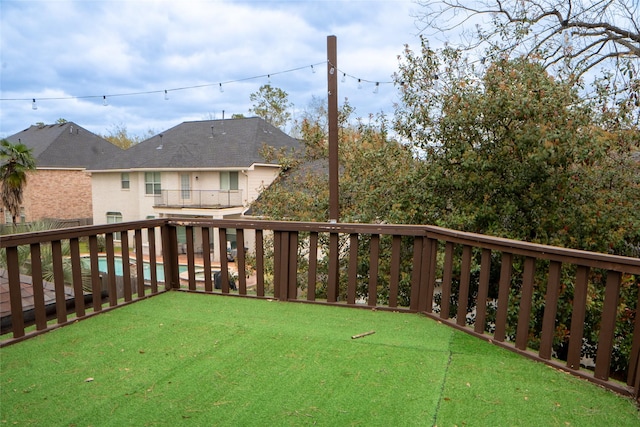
<point>531,299</point>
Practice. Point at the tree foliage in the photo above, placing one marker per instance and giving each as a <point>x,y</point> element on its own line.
<point>272,104</point>
<point>569,38</point>
<point>15,161</point>
<point>119,136</point>
<point>518,153</point>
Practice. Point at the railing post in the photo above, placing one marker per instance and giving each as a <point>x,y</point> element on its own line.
<point>170,256</point>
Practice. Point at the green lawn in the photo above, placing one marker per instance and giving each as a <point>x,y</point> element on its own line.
<point>201,360</point>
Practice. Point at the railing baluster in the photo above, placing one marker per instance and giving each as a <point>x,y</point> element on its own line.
<point>446,281</point>
<point>206,258</point>
<point>607,325</point>
<point>577,317</point>
<point>139,262</point>
<point>465,279</point>
<point>416,271</point>
<point>427,276</point>
<point>292,261</point>
<point>352,278</point>
<point>483,291</point>
<point>153,267</point>
<point>313,266</point>
<point>191,265</point>
<point>374,255</point>
<point>633,376</point>
<point>334,274</point>
<point>111,271</point>
<point>224,265</point>
<point>259,263</point>
<point>15,292</point>
<point>506,270</point>
<point>38,291</point>
<point>277,262</point>
<point>96,283</point>
<point>526,300</point>
<point>550,310</point>
<point>76,271</point>
<point>58,280</point>
<point>241,262</point>
<point>394,279</point>
<point>126,265</point>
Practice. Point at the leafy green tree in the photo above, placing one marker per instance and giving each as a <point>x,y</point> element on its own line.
<point>17,160</point>
<point>119,136</point>
<point>272,104</point>
<point>517,153</point>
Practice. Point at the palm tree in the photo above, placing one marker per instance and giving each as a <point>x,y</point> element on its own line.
<point>16,160</point>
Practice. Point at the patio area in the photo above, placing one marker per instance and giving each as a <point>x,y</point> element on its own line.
<point>185,358</point>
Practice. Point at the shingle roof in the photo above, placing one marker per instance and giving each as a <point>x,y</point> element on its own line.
<point>204,144</point>
<point>65,145</point>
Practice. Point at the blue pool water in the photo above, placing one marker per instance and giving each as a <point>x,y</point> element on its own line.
<point>102,266</point>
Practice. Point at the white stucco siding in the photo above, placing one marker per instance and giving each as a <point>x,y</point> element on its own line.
<point>109,196</point>
<point>258,178</point>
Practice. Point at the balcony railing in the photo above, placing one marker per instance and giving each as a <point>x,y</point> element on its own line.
<point>199,198</point>
<point>482,285</point>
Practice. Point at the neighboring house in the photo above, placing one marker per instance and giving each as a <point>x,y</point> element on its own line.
<point>60,189</point>
<point>201,169</point>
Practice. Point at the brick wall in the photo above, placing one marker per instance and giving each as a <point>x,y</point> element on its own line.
<point>60,194</point>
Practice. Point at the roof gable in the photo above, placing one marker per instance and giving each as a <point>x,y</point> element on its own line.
<point>65,145</point>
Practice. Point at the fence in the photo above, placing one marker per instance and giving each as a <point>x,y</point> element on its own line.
<point>574,310</point>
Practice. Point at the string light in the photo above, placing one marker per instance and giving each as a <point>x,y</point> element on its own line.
<point>332,70</point>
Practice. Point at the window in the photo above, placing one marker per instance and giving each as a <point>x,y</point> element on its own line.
<point>124,180</point>
<point>113,218</point>
<point>229,180</point>
<point>185,186</point>
<point>152,182</point>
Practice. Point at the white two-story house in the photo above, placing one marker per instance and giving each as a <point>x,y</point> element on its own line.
<point>201,169</point>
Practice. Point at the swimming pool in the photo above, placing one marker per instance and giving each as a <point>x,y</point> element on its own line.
<point>102,266</point>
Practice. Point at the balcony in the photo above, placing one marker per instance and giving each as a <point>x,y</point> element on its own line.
<point>474,284</point>
<point>201,199</point>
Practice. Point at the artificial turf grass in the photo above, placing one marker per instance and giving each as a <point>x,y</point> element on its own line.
<point>181,358</point>
<point>506,389</point>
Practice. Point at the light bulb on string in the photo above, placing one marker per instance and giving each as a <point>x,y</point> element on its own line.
<point>166,95</point>
<point>377,87</point>
<point>344,77</point>
<point>269,79</point>
<point>313,70</point>
<point>221,89</point>
<point>359,84</point>
<point>34,106</point>
<point>104,100</point>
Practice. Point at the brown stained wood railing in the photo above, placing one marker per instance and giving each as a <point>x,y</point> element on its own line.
<point>429,269</point>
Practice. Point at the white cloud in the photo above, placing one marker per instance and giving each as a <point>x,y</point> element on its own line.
<point>76,48</point>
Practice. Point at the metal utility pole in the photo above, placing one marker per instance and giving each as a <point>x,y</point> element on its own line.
<point>332,86</point>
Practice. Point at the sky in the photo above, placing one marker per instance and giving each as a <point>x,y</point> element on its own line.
<point>73,57</point>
